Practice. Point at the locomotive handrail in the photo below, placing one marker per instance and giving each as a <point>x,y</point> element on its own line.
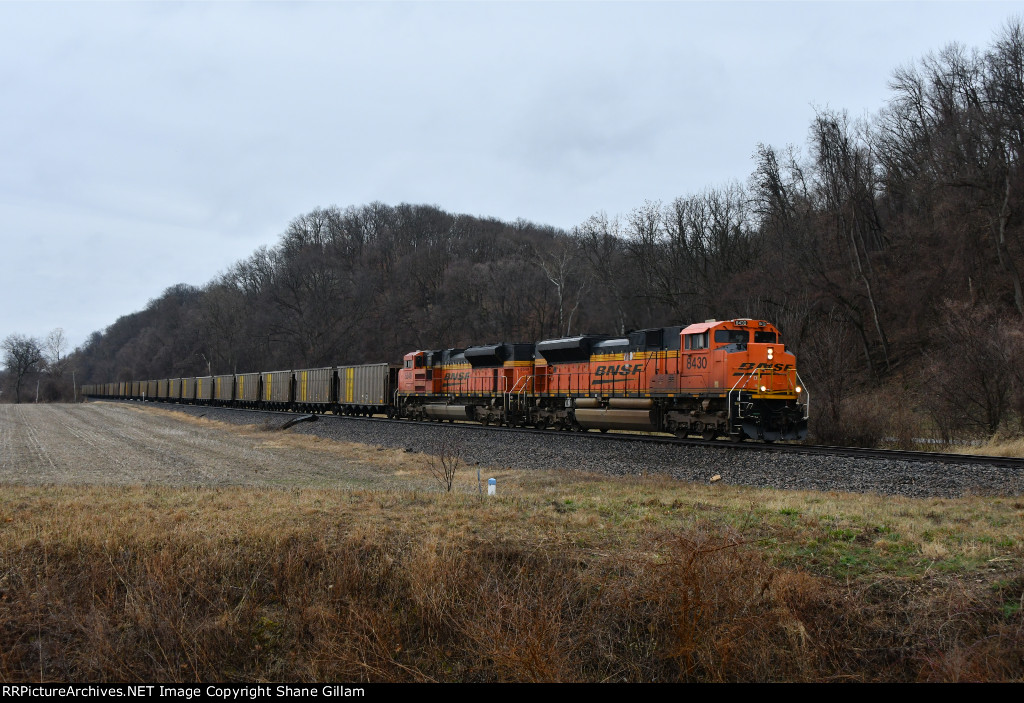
<point>503,382</point>
<point>524,390</point>
<point>729,403</point>
<point>508,395</point>
<point>575,386</point>
<point>807,395</point>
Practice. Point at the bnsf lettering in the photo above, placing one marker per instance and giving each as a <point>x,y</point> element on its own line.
<point>624,370</point>
<point>456,378</point>
<point>777,368</point>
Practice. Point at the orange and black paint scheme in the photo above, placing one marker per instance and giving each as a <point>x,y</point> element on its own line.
<point>730,378</point>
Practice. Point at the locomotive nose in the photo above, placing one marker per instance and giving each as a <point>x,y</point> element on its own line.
<point>772,369</point>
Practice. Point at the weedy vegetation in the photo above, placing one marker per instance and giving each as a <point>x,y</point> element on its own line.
<point>563,576</point>
<point>445,457</point>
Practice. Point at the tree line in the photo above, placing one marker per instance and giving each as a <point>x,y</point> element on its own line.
<point>888,249</point>
<point>45,361</point>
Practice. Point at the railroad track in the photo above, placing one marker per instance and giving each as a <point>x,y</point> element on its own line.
<point>799,449</point>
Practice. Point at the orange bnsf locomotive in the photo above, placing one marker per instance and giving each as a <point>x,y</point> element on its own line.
<point>730,378</point>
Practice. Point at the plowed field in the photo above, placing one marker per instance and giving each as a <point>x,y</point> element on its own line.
<point>110,443</point>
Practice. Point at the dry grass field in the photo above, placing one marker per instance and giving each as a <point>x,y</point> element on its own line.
<point>141,544</point>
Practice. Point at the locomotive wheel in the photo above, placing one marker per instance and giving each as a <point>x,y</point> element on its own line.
<point>709,435</point>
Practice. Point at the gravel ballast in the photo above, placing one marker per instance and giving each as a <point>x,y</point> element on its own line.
<point>594,453</point>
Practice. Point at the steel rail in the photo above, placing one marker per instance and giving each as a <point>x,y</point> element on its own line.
<point>621,436</point>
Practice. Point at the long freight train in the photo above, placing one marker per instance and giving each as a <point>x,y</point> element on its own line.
<point>731,378</point>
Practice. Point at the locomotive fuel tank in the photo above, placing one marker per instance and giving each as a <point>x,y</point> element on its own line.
<point>613,419</point>
<point>440,411</point>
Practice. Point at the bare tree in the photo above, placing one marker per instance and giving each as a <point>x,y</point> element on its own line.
<point>643,230</point>
<point>976,379</point>
<point>561,264</point>
<point>847,188</point>
<point>604,248</point>
<point>951,142</point>
<point>828,357</point>
<point>55,352</point>
<point>22,356</point>
<point>444,457</point>
<point>687,251</point>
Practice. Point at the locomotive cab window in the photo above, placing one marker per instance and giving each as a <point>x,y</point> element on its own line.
<point>731,336</point>
<point>697,341</point>
<point>765,337</point>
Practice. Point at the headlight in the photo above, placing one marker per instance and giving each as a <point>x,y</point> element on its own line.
<point>771,353</point>
<point>799,389</point>
<point>764,388</point>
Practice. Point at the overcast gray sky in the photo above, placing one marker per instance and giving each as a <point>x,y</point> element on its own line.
<point>147,144</point>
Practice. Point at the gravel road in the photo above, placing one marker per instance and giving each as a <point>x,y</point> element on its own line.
<point>125,443</point>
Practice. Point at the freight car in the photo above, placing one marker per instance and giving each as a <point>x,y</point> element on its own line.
<point>348,390</point>
<point>730,378</point>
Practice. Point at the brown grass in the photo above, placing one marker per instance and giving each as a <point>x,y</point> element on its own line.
<point>564,576</point>
<point>997,446</point>
<point>258,585</point>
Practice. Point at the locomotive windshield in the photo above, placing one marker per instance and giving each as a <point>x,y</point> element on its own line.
<point>732,336</point>
<point>765,337</point>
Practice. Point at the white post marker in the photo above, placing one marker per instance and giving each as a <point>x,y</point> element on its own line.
<point>492,486</point>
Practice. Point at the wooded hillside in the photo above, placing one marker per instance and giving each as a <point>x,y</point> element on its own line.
<point>889,251</point>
